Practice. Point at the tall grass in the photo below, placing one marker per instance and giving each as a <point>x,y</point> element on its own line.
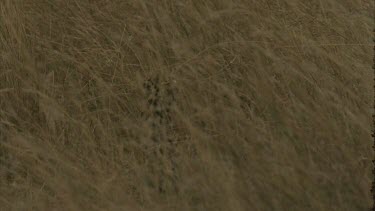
<point>185,105</point>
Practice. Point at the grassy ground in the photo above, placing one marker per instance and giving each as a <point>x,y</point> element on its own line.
<point>186,105</point>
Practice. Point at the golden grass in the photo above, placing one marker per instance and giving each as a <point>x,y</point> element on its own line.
<point>186,105</point>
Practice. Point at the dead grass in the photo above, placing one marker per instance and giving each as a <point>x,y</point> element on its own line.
<point>185,105</point>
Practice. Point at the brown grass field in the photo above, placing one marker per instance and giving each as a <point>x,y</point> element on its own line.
<point>186,105</point>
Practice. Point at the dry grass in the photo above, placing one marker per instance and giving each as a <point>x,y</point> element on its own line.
<point>185,105</point>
